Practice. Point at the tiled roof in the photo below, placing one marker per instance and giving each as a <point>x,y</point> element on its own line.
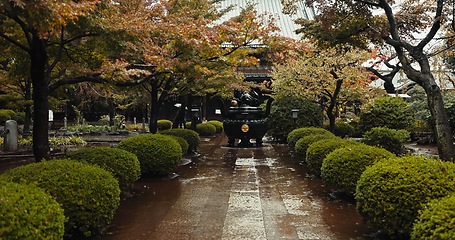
<point>274,7</point>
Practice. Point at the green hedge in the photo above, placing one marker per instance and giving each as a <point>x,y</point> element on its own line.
<point>390,193</point>
<point>88,194</point>
<point>298,133</point>
<point>301,146</point>
<point>436,220</point>
<point>218,125</point>
<point>158,154</point>
<point>317,151</point>
<point>206,129</point>
<point>123,165</point>
<point>342,167</point>
<point>28,212</point>
<point>189,135</point>
<point>164,124</point>
<point>390,139</point>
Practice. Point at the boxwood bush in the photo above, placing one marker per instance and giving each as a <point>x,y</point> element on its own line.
<point>436,220</point>
<point>218,125</point>
<point>164,124</point>
<point>342,167</point>
<point>189,135</point>
<point>88,194</point>
<point>123,165</point>
<point>318,150</point>
<point>391,112</point>
<point>344,129</point>
<point>280,121</point>
<point>390,139</point>
<point>298,133</point>
<point>205,129</point>
<point>158,154</point>
<point>390,193</point>
<point>28,212</point>
<point>7,114</point>
<point>182,142</point>
<point>301,146</point>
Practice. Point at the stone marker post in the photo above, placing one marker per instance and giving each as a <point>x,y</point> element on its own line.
<point>65,123</point>
<point>11,136</point>
<point>83,124</point>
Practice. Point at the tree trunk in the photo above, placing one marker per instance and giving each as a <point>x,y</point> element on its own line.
<point>28,107</point>
<point>28,117</point>
<point>154,109</point>
<point>331,109</point>
<point>180,118</point>
<point>331,116</point>
<point>40,81</point>
<point>111,111</point>
<point>441,126</point>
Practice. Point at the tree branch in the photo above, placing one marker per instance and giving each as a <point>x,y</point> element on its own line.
<point>60,51</point>
<point>14,42</point>
<point>434,28</point>
<point>25,30</point>
<point>141,67</point>
<point>390,17</point>
<point>373,4</point>
<point>89,78</point>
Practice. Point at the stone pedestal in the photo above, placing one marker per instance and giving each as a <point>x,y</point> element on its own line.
<point>11,136</point>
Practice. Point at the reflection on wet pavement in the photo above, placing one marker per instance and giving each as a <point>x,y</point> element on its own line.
<point>236,193</point>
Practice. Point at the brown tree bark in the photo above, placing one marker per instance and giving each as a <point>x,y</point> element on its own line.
<point>40,81</point>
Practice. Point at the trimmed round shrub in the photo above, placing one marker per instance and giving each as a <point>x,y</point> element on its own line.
<point>298,133</point>
<point>391,193</point>
<point>189,135</point>
<point>28,212</point>
<point>123,165</point>
<point>164,124</point>
<point>7,114</point>
<point>158,154</point>
<point>436,220</point>
<point>342,167</point>
<point>88,194</point>
<point>280,121</point>
<point>206,129</point>
<point>301,146</point>
<point>390,139</point>
<point>218,125</point>
<point>391,112</point>
<point>344,129</point>
<point>182,142</point>
<point>317,151</point>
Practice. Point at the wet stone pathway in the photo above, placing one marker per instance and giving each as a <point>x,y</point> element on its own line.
<point>236,193</point>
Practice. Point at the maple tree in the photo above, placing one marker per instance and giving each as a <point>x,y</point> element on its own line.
<point>15,81</point>
<point>407,26</point>
<point>167,48</point>
<point>55,36</point>
<point>196,54</point>
<point>324,77</point>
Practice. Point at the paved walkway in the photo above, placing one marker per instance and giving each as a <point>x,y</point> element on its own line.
<point>236,193</point>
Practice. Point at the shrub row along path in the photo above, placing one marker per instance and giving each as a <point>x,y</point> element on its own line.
<point>236,193</point>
